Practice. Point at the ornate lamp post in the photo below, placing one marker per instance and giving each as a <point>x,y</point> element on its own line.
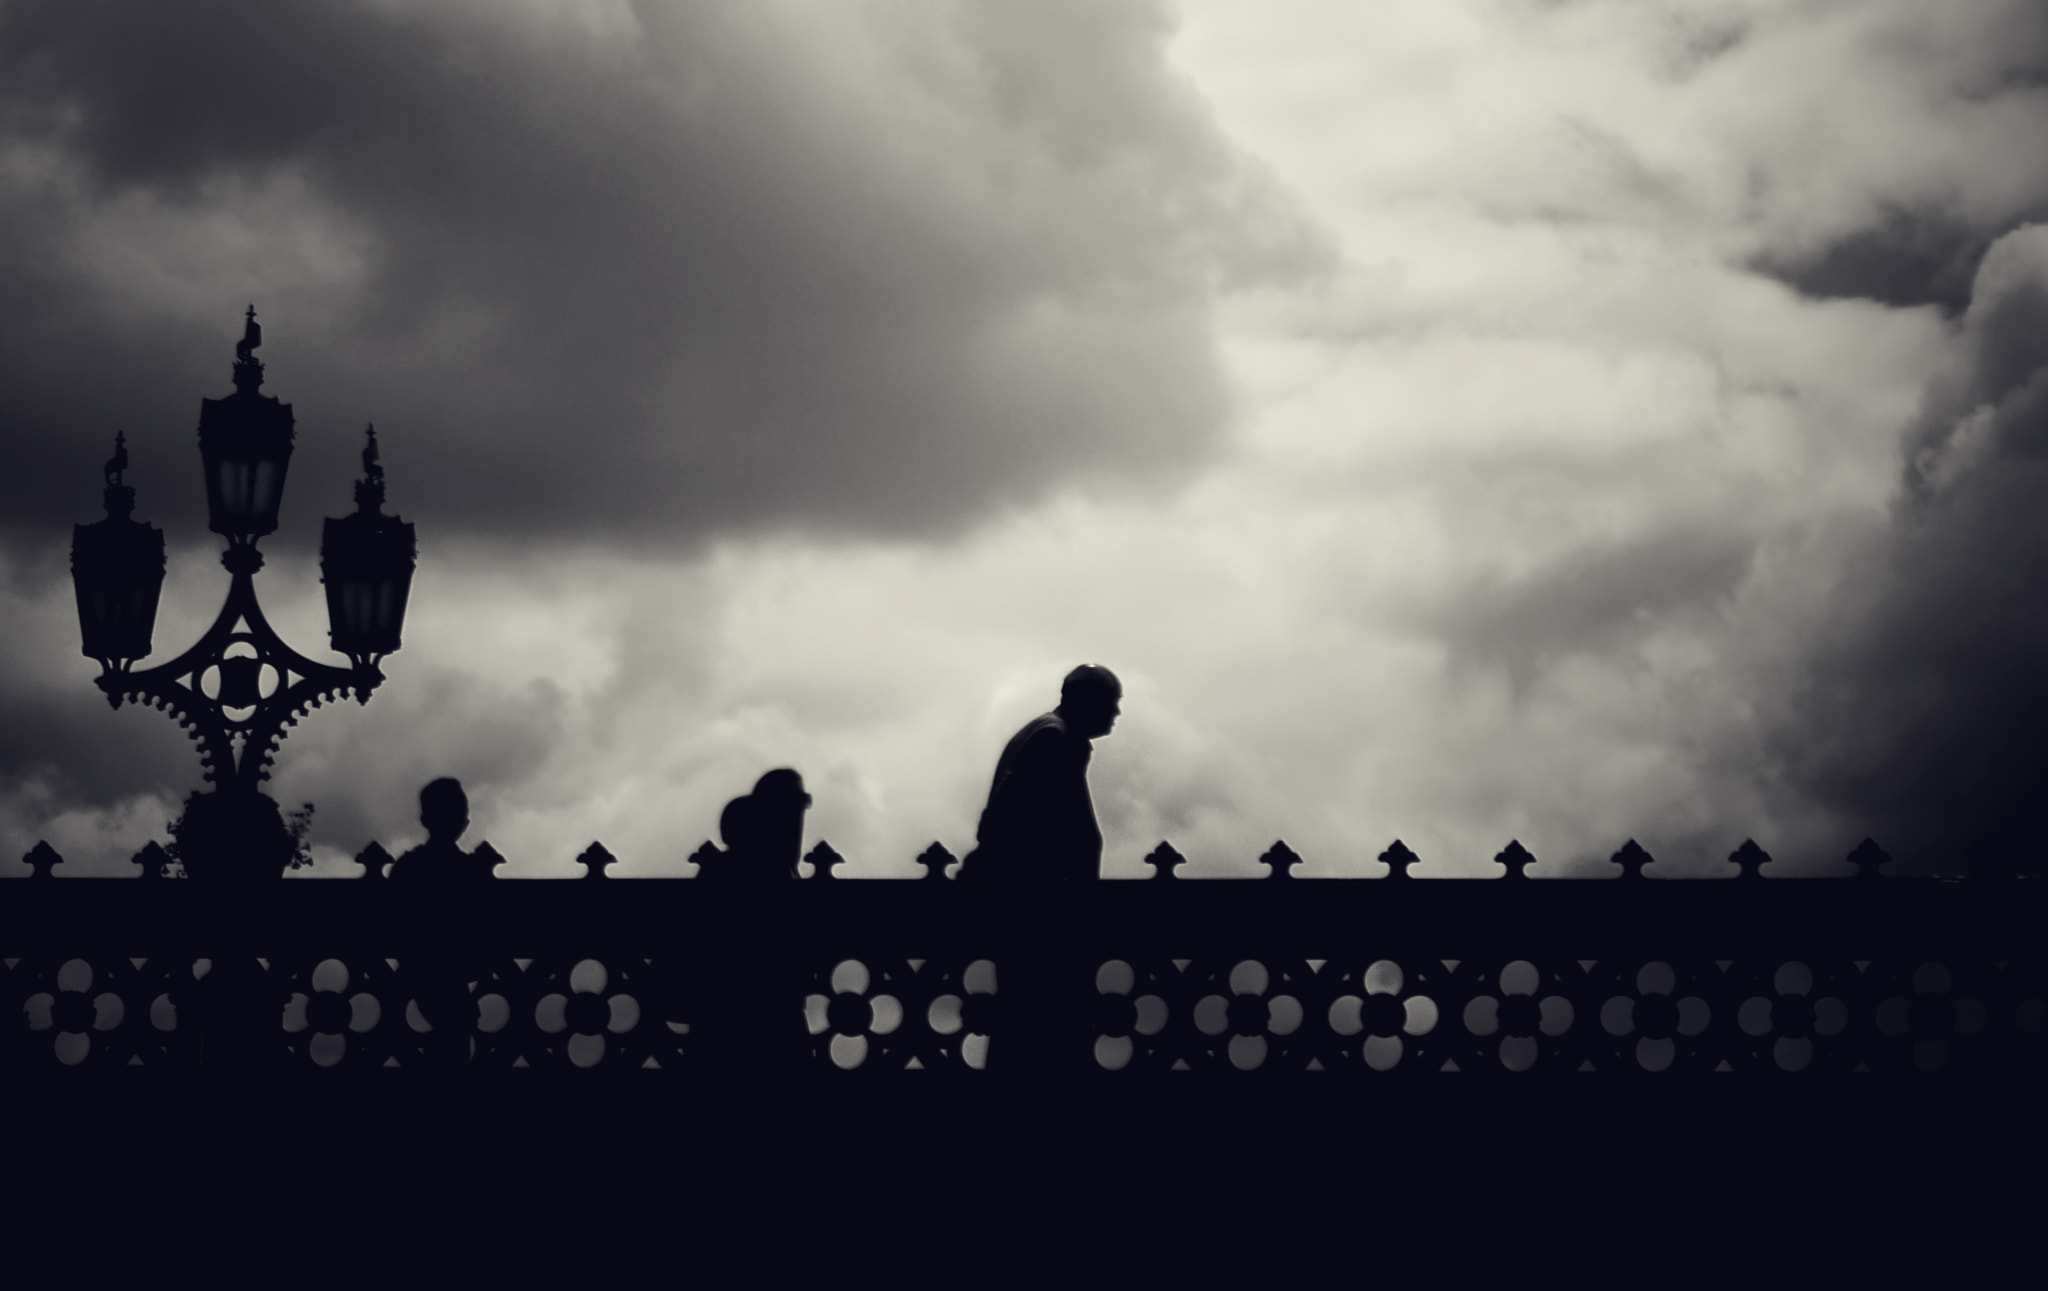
<point>239,686</point>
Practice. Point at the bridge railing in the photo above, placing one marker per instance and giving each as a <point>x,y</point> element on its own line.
<point>1387,980</point>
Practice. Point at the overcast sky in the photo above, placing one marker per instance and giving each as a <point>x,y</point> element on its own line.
<point>1456,420</point>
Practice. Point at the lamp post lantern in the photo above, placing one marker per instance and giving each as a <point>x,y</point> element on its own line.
<point>245,443</point>
<point>366,561</point>
<point>237,689</point>
<point>117,569</point>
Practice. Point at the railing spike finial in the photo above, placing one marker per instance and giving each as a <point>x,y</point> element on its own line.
<point>153,860</point>
<point>41,859</point>
<point>935,859</point>
<point>485,860</point>
<point>373,859</point>
<point>1165,860</point>
<point>1516,858</point>
<point>1751,858</point>
<point>1397,859</point>
<point>709,861</point>
<point>1280,860</point>
<point>1632,858</point>
<point>596,859</point>
<point>824,860</point>
<point>1869,859</point>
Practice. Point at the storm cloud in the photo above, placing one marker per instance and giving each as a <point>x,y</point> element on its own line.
<point>1926,704</point>
<point>630,274</point>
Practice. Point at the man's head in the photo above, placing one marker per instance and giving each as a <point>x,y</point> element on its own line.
<point>444,810</point>
<point>1090,699</point>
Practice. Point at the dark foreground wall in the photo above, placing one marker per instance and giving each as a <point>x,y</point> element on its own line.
<point>1557,1079</point>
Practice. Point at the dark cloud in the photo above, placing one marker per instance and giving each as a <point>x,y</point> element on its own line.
<point>1596,602</point>
<point>624,274</point>
<point>85,751</point>
<point>1925,709</point>
<point>1951,95</point>
<point>1907,259</point>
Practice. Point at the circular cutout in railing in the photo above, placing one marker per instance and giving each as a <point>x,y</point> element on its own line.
<point>1519,977</point>
<point>327,1048</point>
<point>589,977</point>
<point>75,976</point>
<point>1655,1015</point>
<point>586,1050</point>
<point>1793,1014</point>
<point>1152,1015</point>
<point>850,975</point>
<point>1422,1015</point>
<point>1482,1015</point>
<point>1346,1016</point>
<point>549,1013</point>
<point>624,1014</point>
<point>848,1051</point>
<point>1382,1052</point>
<point>330,975</point>
<point>1283,1015</point>
<point>493,1012</point>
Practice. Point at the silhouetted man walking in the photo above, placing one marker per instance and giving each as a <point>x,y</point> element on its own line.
<point>1039,825</point>
<point>1039,832</point>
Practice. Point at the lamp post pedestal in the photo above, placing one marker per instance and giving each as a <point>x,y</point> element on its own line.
<point>233,836</point>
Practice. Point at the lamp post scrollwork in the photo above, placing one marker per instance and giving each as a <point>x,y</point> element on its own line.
<point>240,686</point>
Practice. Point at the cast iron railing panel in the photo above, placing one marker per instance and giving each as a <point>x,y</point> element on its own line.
<point>1366,980</point>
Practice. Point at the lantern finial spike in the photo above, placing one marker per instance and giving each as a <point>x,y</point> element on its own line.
<point>118,498</point>
<point>370,489</point>
<point>119,461</point>
<point>248,368</point>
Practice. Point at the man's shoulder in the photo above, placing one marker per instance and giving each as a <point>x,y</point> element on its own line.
<point>1040,727</point>
<point>435,863</point>
<point>1044,736</point>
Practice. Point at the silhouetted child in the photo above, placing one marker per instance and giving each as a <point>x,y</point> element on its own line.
<point>438,960</point>
<point>444,810</point>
